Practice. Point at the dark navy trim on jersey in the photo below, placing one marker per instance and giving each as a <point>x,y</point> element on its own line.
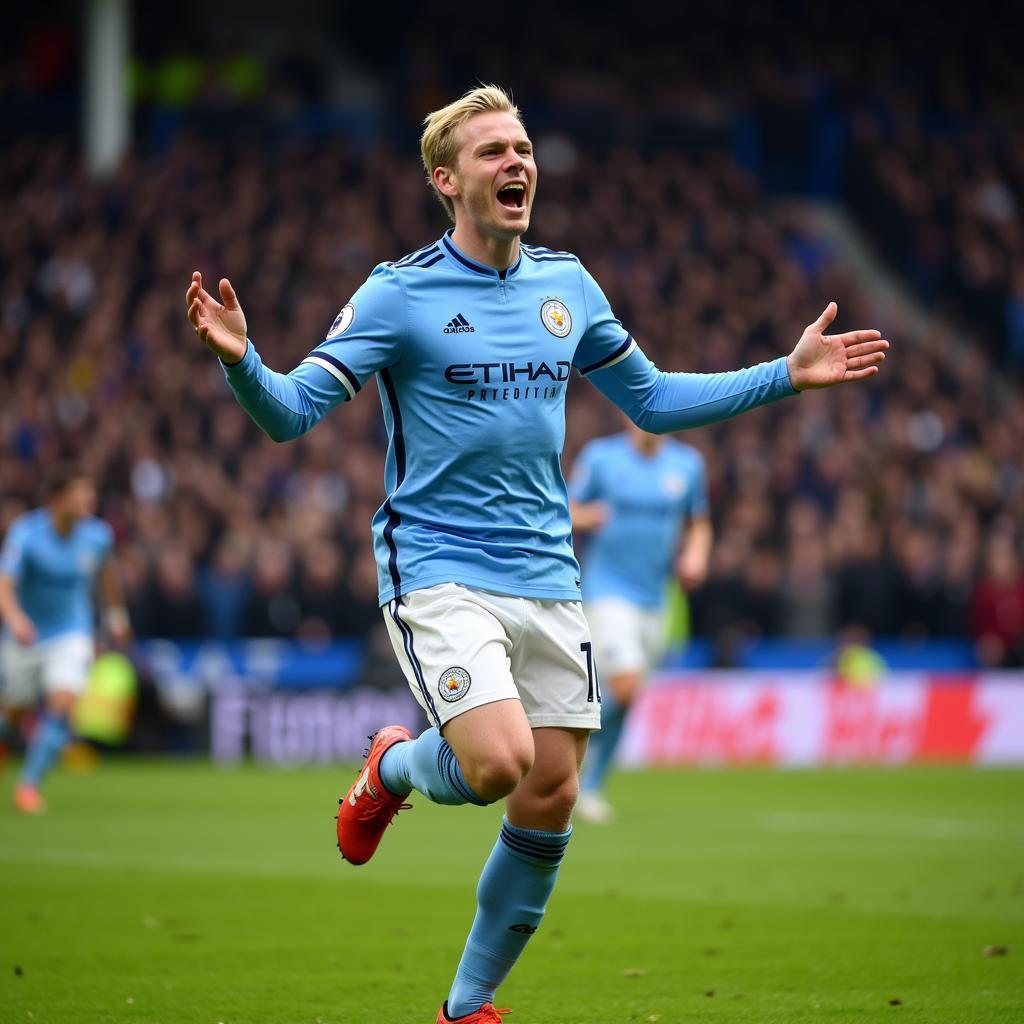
<point>542,258</point>
<point>394,520</point>
<point>414,661</point>
<point>617,354</point>
<point>389,529</point>
<point>431,261</point>
<point>455,254</point>
<point>340,367</point>
<point>478,268</point>
<point>416,257</point>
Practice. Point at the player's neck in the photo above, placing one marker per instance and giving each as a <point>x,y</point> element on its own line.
<point>646,446</point>
<point>492,252</point>
<point>63,523</point>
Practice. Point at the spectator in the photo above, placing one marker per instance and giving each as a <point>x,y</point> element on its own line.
<point>997,606</point>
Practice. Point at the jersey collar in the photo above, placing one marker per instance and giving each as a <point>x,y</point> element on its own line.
<point>460,259</point>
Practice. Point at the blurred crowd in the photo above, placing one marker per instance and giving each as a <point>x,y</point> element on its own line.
<point>895,507</point>
<point>947,209</point>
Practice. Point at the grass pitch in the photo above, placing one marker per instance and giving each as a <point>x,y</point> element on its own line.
<point>163,893</point>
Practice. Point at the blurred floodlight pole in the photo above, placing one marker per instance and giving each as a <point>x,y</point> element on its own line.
<point>107,115</point>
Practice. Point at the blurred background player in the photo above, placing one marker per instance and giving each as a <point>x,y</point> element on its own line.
<point>641,501</point>
<point>51,558</point>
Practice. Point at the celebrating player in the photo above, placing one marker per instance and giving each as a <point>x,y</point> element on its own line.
<point>632,495</point>
<point>472,340</point>
<point>50,559</point>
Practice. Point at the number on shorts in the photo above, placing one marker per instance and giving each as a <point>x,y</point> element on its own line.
<point>593,684</point>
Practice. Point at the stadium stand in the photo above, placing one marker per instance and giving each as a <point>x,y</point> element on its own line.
<point>685,216</point>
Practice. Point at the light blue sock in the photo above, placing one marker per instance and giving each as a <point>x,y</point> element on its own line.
<point>428,765</point>
<point>511,897</point>
<point>52,735</point>
<point>601,750</point>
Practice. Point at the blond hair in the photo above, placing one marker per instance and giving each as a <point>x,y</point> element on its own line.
<point>438,144</point>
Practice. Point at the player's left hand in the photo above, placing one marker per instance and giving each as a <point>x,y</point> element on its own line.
<point>821,360</point>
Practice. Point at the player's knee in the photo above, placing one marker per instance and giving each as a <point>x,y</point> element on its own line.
<point>560,800</point>
<point>496,775</point>
<point>549,804</point>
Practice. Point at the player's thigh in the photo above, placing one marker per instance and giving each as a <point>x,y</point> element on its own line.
<point>493,743</point>
<point>455,652</point>
<point>553,666</point>
<point>67,662</point>
<point>620,637</point>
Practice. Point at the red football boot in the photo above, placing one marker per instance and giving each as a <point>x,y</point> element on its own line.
<point>28,799</point>
<point>487,1014</point>
<point>368,807</point>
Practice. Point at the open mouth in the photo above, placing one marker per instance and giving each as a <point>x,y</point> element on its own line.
<point>512,195</point>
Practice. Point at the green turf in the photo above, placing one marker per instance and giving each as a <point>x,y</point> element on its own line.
<point>158,893</point>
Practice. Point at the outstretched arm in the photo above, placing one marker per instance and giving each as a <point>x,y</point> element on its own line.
<point>661,402</point>
<point>283,406</point>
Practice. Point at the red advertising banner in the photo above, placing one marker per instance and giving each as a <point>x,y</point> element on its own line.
<point>794,718</point>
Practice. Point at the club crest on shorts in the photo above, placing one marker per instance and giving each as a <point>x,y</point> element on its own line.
<point>453,684</point>
<point>342,322</point>
<point>556,318</point>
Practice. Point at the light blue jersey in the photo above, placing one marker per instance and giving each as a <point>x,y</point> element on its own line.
<point>472,366</point>
<point>649,499</point>
<point>53,574</point>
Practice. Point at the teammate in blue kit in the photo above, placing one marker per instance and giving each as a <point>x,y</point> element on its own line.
<point>641,500</point>
<point>50,561</point>
<point>472,340</point>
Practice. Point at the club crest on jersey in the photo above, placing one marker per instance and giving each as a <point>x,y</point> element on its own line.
<point>342,322</point>
<point>453,684</point>
<point>673,484</point>
<point>555,317</point>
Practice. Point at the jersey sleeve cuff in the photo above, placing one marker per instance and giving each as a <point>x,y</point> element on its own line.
<point>782,379</point>
<point>244,365</point>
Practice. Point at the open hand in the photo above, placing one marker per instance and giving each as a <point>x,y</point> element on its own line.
<point>821,360</point>
<point>220,325</point>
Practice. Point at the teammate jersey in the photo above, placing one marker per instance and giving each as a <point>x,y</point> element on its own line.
<point>472,365</point>
<point>53,574</point>
<point>649,499</point>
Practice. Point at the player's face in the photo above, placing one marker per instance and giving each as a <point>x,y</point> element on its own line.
<point>495,175</point>
<point>78,499</point>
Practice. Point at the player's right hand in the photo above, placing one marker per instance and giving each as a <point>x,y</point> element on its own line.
<point>219,325</point>
<point>587,516</point>
<point>22,628</point>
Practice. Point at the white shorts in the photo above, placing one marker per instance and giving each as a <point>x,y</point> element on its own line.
<point>62,663</point>
<point>461,648</point>
<point>627,638</point>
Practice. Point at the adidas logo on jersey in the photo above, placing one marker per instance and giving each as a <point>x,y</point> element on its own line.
<point>460,325</point>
